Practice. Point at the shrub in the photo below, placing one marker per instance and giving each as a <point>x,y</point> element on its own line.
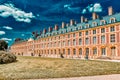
<point>6,57</point>
<point>61,55</point>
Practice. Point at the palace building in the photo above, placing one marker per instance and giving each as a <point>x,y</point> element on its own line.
<point>99,37</point>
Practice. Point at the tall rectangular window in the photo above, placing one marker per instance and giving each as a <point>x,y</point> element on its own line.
<point>94,31</point>
<point>103,30</point>
<point>112,38</point>
<point>103,39</point>
<point>95,51</point>
<point>86,32</point>
<point>68,42</point>
<point>80,33</point>
<point>103,50</point>
<point>68,35</point>
<point>112,29</point>
<point>74,42</point>
<point>87,41</point>
<point>80,41</point>
<point>94,40</point>
<point>63,43</point>
<point>74,35</point>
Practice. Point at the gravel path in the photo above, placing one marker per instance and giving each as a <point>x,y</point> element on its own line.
<point>101,77</point>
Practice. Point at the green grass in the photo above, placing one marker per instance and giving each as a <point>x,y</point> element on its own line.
<point>35,68</point>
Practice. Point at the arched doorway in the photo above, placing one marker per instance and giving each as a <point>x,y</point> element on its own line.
<point>87,53</point>
<point>113,51</point>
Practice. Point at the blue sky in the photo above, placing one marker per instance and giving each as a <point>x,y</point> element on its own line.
<point>18,18</point>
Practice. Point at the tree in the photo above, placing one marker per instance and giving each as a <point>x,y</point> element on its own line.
<point>3,45</point>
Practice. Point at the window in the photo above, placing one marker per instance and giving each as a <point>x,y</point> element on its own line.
<point>55,52</point>
<point>68,51</point>
<point>68,35</point>
<point>103,39</point>
<point>80,51</point>
<point>68,42</point>
<point>103,30</point>
<point>80,33</point>
<point>102,22</point>
<point>80,27</point>
<point>74,35</point>
<point>94,24</point>
<point>74,51</point>
<point>63,43</point>
<point>94,31</point>
<point>103,50</point>
<point>112,29</point>
<point>86,32</point>
<point>112,38</point>
<point>94,40</point>
<point>74,42</point>
<point>59,51</point>
<point>59,44</point>
<point>94,51</point>
<point>55,44</point>
<point>87,40</point>
<point>87,25</point>
<point>112,20</point>
<point>113,51</point>
<point>63,51</point>
<point>80,41</point>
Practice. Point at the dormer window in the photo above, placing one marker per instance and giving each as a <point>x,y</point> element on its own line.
<point>87,25</point>
<point>80,27</point>
<point>94,24</point>
<point>102,22</point>
<point>112,20</point>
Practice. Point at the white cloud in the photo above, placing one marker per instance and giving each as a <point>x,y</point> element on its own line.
<point>97,7</point>
<point>92,8</point>
<point>6,39</point>
<point>7,27</point>
<point>7,10</point>
<point>2,32</point>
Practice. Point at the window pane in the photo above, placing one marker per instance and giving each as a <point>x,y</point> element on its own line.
<point>112,38</point>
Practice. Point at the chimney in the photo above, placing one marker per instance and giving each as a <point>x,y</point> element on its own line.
<point>71,22</point>
<point>75,22</point>
<point>56,27</point>
<point>94,16</point>
<point>63,24</point>
<point>86,19</point>
<point>50,29</point>
<point>82,19</point>
<point>67,24</point>
<point>97,16</point>
<point>110,10</point>
<point>44,31</point>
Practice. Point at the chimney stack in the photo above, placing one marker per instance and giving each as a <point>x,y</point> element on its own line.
<point>82,19</point>
<point>56,27</point>
<point>67,24</point>
<point>71,22</point>
<point>75,22</point>
<point>110,10</point>
<point>44,31</point>
<point>94,16</point>
<point>86,19</point>
<point>63,24</point>
<point>50,29</point>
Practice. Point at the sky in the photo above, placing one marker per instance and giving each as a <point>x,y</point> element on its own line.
<point>19,18</point>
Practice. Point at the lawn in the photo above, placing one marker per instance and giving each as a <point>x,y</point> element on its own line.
<point>36,67</point>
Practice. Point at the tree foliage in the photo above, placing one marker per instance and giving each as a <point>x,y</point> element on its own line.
<point>3,45</point>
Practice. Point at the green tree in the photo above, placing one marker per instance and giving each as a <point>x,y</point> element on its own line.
<point>3,45</point>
